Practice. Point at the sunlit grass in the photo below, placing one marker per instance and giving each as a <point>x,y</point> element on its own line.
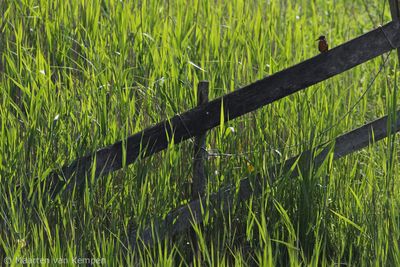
<point>78,75</point>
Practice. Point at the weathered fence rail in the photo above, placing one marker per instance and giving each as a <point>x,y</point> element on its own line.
<point>249,98</point>
<point>180,219</point>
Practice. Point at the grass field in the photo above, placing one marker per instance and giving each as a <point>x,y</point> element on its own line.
<point>78,75</point>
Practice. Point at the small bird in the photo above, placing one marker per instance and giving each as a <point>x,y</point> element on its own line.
<point>322,44</point>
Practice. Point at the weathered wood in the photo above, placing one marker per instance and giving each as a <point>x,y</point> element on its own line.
<point>395,11</point>
<point>181,219</point>
<point>249,98</point>
<point>199,176</point>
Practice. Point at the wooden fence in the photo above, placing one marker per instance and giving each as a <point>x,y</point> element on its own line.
<point>249,98</point>
<point>197,121</point>
<point>179,220</point>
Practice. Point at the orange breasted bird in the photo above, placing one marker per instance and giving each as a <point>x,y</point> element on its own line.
<point>322,44</point>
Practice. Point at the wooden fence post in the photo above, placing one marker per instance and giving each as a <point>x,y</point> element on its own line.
<point>395,11</point>
<point>199,181</point>
<point>200,153</point>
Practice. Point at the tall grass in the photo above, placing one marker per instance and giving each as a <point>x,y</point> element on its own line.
<point>77,75</point>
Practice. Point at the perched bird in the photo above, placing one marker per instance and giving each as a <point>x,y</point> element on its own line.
<point>322,44</point>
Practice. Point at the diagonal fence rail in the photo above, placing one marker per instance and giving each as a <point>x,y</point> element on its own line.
<point>249,98</point>
<point>182,218</point>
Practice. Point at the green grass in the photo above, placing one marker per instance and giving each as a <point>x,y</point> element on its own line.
<point>78,75</point>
